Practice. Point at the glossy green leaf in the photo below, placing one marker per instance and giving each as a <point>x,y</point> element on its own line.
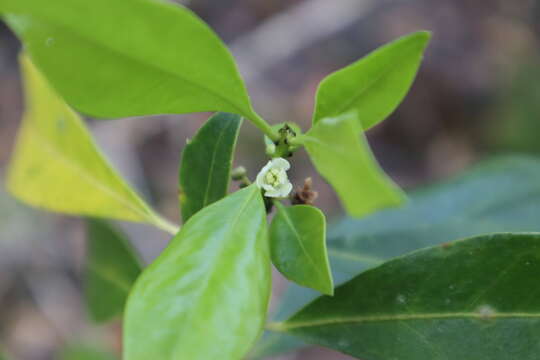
<point>463,300</point>
<point>375,85</point>
<point>57,166</point>
<point>112,266</point>
<point>298,246</point>
<point>499,195</point>
<point>83,352</point>
<point>207,293</point>
<point>345,161</point>
<point>205,168</point>
<point>129,57</point>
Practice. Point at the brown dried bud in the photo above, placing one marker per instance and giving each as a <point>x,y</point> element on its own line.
<point>305,195</point>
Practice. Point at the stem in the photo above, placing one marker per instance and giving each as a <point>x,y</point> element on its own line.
<point>296,141</point>
<point>263,126</point>
<point>165,225</point>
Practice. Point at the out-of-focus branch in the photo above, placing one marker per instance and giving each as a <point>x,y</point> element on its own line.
<point>288,33</point>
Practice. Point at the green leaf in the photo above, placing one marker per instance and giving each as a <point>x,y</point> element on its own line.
<point>129,57</point>
<point>459,301</point>
<point>83,352</point>
<point>112,266</point>
<point>57,166</point>
<point>207,293</point>
<point>298,246</point>
<point>345,161</point>
<point>375,85</point>
<point>499,195</point>
<point>205,169</point>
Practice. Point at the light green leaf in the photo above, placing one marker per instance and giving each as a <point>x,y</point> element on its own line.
<point>345,161</point>
<point>499,195</point>
<point>57,166</point>
<point>205,168</point>
<point>207,293</point>
<point>83,352</point>
<point>112,266</point>
<point>298,246</point>
<point>459,301</point>
<point>375,85</point>
<point>129,57</point>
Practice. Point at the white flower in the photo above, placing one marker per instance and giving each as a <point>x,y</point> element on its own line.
<point>273,178</point>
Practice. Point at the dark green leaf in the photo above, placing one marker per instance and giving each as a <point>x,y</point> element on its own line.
<point>56,164</point>
<point>206,163</point>
<point>206,295</point>
<point>500,195</point>
<point>345,160</point>
<point>129,57</point>
<point>112,266</point>
<point>375,85</point>
<point>471,299</point>
<point>298,246</point>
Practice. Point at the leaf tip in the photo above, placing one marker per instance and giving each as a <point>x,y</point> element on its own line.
<point>423,37</point>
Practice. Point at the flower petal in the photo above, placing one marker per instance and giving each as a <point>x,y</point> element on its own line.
<point>280,163</point>
<point>273,193</point>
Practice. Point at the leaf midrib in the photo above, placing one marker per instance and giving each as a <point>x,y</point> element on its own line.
<point>108,274</point>
<point>210,274</point>
<point>213,165</point>
<point>91,180</point>
<point>298,240</point>
<point>286,326</point>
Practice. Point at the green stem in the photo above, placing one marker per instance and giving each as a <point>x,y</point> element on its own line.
<point>297,141</point>
<point>263,126</point>
<point>165,225</point>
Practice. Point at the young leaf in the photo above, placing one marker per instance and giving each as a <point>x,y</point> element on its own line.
<point>298,246</point>
<point>207,293</point>
<point>504,191</point>
<point>129,57</point>
<point>205,168</point>
<point>345,160</point>
<point>459,301</point>
<point>57,166</point>
<point>112,266</point>
<point>375,85</point>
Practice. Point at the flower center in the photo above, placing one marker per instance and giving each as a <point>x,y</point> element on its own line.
<point>272,177</point>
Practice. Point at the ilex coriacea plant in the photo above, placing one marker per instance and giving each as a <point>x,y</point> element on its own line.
<point>206,295</point>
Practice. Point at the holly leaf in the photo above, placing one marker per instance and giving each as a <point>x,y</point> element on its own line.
<point>125,58</point>
<point>460,300</point>
<point>112,266</point>
<point>57,166</point>
<point>205,169</point>
<point>374,85</point>
<point>344,159</point>
<point>298,246</point>
<point>207,293</point>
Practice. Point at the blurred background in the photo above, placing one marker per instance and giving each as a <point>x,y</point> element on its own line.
<point>477,94</point>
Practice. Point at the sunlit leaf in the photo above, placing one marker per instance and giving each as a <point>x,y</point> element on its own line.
<point>206,295</point>
<point>57,166</point>
<point>112,266</point>
<point>374,85</point>
<point>298,246</point>
<point>129,57</point>
<point>462,300</point>
<point>205,169</point>
<point>344,159</point>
